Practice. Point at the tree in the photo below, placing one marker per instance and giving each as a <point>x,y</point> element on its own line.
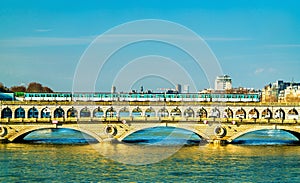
<point>3,88</point>
<point>18,89</point>
<point>47,90</point>
<point>34,87</point>
<point>39,88</point>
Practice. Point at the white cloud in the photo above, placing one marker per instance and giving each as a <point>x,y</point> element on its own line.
<point>61,41</point>
<point>283,46</point>
<point>265,70</point>
<point>44,41</point>
<point>259,70</point>
<point>43,30</point>
<point>227,39</point>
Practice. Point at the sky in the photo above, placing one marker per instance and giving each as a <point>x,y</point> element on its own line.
<point>255,42</point>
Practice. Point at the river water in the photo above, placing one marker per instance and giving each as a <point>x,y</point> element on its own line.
<point>42,159</point>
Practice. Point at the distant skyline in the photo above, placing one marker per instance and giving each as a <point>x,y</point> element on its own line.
<point>256,42</point>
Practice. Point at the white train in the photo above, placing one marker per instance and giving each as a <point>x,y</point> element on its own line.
<point>210,97</point>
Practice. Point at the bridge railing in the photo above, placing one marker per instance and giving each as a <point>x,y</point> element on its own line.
<point>149,103</point>
<point>146,119</point>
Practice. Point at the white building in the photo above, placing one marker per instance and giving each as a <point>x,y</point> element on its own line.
<point>186,88</point>
<point>223,83</point>
<point>113,89</point>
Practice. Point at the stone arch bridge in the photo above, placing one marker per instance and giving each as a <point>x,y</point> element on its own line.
<point>105,121</point>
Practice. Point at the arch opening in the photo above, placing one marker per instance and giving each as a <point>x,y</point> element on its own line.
<point>124,112</point>
<point>214,113</point>
<point>150,112</point>
<point>111,112</point>
<point>163,136</point>
<point>266,114</point>
<point>293,114</point>
<point>59,113</point>
<point>46,113</point>
<point>189,112</point>
<point>56,136</point>
<point>33,113</point>
<point>163,112</point>
<point>202,113</point>
<point>253,114</point>
<point>6,113</point>
<point>85,112</point>
<point>228,113</point>
<point>279,114</point>
<point>267,137</point>
<point>175,112</point>
<point>240,113</point>
<point>20,113</point>
<point>136,112</point>
<point>72,113</point>
<point>98,113</point>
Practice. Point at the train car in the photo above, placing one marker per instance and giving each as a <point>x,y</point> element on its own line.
<point>153,97</point>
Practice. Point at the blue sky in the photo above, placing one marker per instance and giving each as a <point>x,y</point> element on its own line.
<point>256,42</point>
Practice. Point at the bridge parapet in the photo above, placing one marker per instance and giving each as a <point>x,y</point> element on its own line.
<point>147,119</point>
<point>219,130</point>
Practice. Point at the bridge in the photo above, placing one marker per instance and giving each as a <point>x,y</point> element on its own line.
<point>213,122</point>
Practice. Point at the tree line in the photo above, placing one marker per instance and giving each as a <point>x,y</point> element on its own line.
<point>32,87</point>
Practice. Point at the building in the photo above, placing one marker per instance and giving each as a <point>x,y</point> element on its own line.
<point>186,89</point>
<point>290,94</point>
<point>281,91</point>
<point>178,88</point>
<point>113,89</point>
<point>223,83</point>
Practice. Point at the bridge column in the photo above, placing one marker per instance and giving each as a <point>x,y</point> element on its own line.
<point>219,142</point>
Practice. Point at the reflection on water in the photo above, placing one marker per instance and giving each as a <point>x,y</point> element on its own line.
<point>163,136</point>
<point>206,163</point>
<point>58,136</point>
<point>267,137</point>
<point>160,136</point>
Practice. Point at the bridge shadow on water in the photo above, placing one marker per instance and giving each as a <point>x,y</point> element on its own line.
<point>58,136</point>
<point>267,137</point>
<point>159,136</point>
<point>164,136</point>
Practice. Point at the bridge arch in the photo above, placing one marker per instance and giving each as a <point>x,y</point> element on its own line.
<point>33,113</point>
<point>6,113</point>
<point>257,128</point>
<point>279,114</point>
<point>293,114</point>
<point>20,113</point>
<point>253,114</point>
<point>124,112</point>
<point>85,112</point>
<point>72,113</point>
<point>240,113</point>
<point>59,113</point>
<point>21,134</point>
<point>175,112</point>
<point>189,112</point>
<point>98,113</point>
<point>267,114</point>
<point>137,112</point>
<point>111,112</point>
<point>202,113</point>
<point>163,112</point>
<point>46,113</point>
<point>150,112</point>
<point>203,136</point>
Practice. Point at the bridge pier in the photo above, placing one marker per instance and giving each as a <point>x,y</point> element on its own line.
<point>218,142</point>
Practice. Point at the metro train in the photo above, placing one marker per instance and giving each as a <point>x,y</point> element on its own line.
<point>201,97</point>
